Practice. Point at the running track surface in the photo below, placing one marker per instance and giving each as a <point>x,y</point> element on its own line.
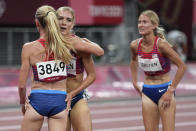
<point>114,115</point>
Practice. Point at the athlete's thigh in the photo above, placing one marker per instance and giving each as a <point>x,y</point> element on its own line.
<point>68,127</point>
<point>150,114</point>
<point>81,117</point>
<point>32,120</point>
<point>168,115</point>
<point>58,122</point>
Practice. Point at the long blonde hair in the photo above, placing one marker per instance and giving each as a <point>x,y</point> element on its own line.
<point>159,31</point>
<point>56,43</point>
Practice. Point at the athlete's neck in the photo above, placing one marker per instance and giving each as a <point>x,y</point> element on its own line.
<point>148,40</point>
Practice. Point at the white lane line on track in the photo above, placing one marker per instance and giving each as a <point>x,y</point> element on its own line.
<point>134,109</point>
<point>117,119</point>
<point>11,118</point>
<point>13,127</point>
<point>118,110</point>
<point>186,106</point>
<point>104,120</point>
<point>10,127</point>
<point>138,117</point>
<point>135,128</point>
<point>10,110</point>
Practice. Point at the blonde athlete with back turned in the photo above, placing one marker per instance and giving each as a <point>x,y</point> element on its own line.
<point>48,57</point>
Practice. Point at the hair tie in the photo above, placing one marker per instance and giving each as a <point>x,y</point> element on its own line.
<point>48,12</point>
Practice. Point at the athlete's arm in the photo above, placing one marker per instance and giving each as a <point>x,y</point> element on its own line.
<point>87,46</point>
<point>134,65</point>
<point>167,51</point>
<point>90,70</point>
<point>24,71</point>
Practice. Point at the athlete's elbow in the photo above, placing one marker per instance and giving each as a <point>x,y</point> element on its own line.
<point>21,85</point>
<point>100,52</point>
<point>93,77</point>
<point>184,67</point>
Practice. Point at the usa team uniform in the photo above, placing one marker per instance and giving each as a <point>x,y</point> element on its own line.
<point>153,64</point>
<point>48,102</point>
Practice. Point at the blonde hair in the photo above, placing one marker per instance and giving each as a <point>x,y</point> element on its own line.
<point>159,31</point>
<point>56,43</point>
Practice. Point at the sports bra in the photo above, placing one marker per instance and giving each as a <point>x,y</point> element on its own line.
<point>49,70</point>
<point>153,63</point>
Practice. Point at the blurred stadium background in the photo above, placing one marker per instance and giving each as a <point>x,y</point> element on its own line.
<point>110,23</point>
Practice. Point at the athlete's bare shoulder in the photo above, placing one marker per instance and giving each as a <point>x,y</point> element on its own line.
<point>163,44</point>
<point>134,44</point>
<point>30,47</point>
<point>30,44</point>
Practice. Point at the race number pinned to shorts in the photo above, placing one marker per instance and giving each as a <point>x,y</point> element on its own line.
<point>49,69</point>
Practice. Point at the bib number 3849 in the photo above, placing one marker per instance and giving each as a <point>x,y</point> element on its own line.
<point>51,68</point>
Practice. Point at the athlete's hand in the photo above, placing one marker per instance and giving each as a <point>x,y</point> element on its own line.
<point>68,100</point>
<point>25,106</point>
<point>167,96</point>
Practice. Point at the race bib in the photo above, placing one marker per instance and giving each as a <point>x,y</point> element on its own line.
<point>50,69</point>
<point>150,64</point>
<point>71,68</point>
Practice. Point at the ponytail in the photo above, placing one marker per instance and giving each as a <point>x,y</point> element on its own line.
<point>56,43</point>
<point>159,31</point>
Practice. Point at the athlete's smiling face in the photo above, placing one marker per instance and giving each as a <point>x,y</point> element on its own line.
<point>145,25</point>
<point>66,21</point>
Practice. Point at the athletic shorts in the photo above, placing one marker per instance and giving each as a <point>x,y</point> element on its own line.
<point>76,98</point>
<point>48,102</point>
<point>154,92</point>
